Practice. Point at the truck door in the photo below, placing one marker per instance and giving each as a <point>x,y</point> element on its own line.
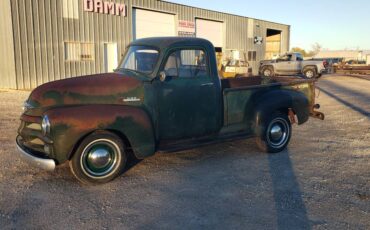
<point>298,63</point>
<point>188,101</point>
<point>287,65</point>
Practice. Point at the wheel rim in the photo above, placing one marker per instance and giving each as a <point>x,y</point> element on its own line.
<point>267,73</point>
<point>100,158</point>
<point>309,73</point>
<point>278,132</point>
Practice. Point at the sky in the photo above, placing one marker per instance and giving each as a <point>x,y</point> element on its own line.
<point>334,24</point>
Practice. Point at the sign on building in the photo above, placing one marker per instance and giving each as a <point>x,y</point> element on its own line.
<point>105,7</point>
<point>258,40</point>
<point>186,29</point>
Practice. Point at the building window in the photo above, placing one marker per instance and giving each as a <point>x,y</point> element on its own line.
<point>70,9</point>
<point>79,51</point>
<point>252,55</point>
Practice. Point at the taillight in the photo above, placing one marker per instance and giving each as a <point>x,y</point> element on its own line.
<point>325,63</point>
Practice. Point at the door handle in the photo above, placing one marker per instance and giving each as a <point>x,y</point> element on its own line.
<point>206,84</point>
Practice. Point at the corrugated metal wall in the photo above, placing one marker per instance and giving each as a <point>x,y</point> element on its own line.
<point>40,32</point>
<point>7,67</point>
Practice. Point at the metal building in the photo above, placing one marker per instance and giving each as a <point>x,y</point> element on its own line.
<point>46,40</point>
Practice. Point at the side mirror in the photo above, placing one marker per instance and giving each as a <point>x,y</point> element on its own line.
<point>162,76</point>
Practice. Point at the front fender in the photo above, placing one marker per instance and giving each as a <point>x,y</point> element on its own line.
<point>69,125</point>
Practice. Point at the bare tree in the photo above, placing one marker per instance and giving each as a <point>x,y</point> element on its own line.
<point>316,48</point>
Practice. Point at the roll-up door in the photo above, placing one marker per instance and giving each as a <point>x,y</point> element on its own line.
<point>147,23</point>
<point>211,30</point>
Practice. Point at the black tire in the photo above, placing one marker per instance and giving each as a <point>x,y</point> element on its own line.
<point>310,73</point>
<point>100,158</point>
<point>275,132</point>
<point>267,71</point>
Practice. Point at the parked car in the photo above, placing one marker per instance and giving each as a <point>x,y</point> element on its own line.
<point>355,62</point>
<point>233,63</point>
<point>329,61</point>
<point>291,64</point>
<point>163,97</point>
<point>330,64</point>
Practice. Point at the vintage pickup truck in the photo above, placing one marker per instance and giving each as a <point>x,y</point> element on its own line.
<point>165,95</point>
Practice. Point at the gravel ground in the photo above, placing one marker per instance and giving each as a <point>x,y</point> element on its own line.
<point>322,181</point>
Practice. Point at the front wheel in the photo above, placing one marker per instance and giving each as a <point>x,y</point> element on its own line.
<point>100,158</point>
<point>267,71</point>
<point>275,133</point>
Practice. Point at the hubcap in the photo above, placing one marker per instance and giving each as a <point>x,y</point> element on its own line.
<point>309,74</point>
<point>278,132</point>
<point>267,73</point>
<point>100,158</point>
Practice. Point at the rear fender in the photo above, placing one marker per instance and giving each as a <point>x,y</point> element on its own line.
<point>310,66</point>
<point>69,125</point>
<point>280,100</point>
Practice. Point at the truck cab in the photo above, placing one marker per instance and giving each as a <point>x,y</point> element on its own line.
<point>165,95</point>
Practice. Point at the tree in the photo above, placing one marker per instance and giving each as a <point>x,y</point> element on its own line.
<point>299,50</point>
<point>316,48</point>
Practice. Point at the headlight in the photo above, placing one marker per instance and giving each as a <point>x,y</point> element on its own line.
<point>45,125</point>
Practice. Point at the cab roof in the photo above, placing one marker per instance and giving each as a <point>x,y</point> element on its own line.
<point>163,43</point>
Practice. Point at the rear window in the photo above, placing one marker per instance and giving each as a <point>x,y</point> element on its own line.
<point>299,57</point>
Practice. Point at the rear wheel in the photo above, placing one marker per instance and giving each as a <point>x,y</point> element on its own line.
<point>99,159</point>
<point>310,73</point>
<point>275,133</point>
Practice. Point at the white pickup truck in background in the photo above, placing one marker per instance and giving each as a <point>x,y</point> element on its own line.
<point>291,64</point>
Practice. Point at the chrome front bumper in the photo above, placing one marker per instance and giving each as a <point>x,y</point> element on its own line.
<point>45,164</point>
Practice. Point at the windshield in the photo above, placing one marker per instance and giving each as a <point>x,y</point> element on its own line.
<point>140,59</point>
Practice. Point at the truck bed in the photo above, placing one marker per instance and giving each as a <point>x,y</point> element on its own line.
<point>242,94</point>
<point>258,81</point>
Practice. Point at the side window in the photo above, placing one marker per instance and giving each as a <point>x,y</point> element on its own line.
<point>187,63</point>
<point>299,57</point>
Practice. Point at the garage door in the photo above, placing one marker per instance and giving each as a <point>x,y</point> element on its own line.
<point>210,30</point>
<point>153,24</point>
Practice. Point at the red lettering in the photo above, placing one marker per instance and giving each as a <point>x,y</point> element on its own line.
<point>89,5</point>
<point>120,9</point>
<point>105,7</point>
<point>109,8</point>
<point>98,8</point>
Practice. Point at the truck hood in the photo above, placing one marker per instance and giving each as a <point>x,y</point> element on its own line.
<point>108,89</point>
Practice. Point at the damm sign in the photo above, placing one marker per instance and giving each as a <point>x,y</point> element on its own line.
<point>105,7</point>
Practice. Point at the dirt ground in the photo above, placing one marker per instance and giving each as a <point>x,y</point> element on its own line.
<point>322,181</point>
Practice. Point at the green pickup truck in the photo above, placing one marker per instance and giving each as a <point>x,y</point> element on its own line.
<point>165,96</point>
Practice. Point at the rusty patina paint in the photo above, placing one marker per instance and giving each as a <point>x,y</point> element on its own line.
<point>70,124</point>
<point>110,88</point>
<point>79,106</point>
